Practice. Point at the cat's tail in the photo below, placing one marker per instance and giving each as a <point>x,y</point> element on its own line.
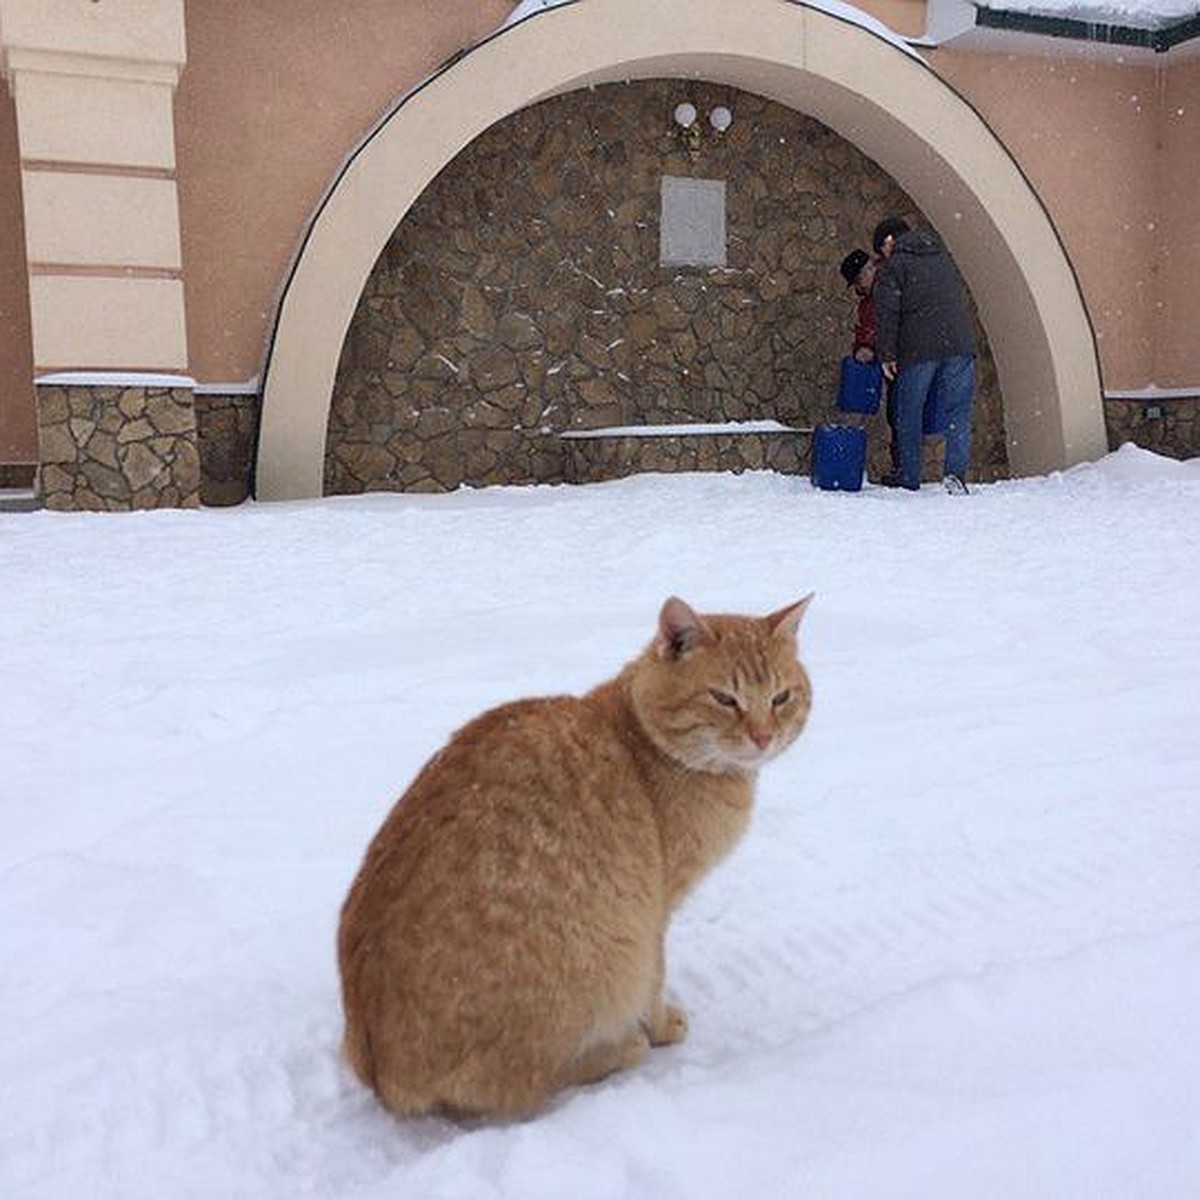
<point>356,1040</point>
<point>356,1049</point>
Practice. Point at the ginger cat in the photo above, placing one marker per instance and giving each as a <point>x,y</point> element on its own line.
<point>504,936</point>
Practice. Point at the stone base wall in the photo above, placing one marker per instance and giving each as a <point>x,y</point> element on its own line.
<point>227,432</point>
<point>591,460</point>
<point>116,449</point>
<point>1169,426</point>
<point>522,296</point>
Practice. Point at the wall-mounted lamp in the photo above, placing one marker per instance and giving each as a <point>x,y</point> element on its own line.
<point>690,133</point>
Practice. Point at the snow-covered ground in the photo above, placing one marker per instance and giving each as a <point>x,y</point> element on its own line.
<point>957,955</point>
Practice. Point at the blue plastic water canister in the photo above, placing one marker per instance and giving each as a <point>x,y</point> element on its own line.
<point>839,457</point>
<point>860,386</point>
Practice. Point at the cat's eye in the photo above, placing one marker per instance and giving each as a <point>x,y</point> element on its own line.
<point>781,698</point>
<point>724,699</point>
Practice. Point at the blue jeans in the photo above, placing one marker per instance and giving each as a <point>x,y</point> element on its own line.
<point>948,383</point>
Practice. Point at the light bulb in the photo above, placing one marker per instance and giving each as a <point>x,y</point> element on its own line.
<point>685,115</point>
<point>720,118</point>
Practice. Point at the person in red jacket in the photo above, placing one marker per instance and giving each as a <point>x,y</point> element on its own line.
<point>858,270</point>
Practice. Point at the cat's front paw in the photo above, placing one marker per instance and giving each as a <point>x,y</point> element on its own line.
<point>668,1026</point>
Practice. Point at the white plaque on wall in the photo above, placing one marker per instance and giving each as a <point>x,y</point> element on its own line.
<point>693,223</point>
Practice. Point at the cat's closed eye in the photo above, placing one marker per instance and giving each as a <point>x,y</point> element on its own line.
<point>781,698</point>
<point>724,699</point>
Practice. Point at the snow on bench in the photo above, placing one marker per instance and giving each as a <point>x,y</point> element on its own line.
<point>686,430</point>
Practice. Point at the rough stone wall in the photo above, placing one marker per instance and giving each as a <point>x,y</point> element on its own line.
<point>117,448</point>
<point>227,439</point>
<point>522,296</point>
<point>1175,431</point>
<point>591,461</point>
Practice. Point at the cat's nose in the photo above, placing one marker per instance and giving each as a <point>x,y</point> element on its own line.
<point>761,738</point>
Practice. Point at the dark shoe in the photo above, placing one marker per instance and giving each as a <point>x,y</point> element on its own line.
<point>955,486</point>
<point>891,479</point>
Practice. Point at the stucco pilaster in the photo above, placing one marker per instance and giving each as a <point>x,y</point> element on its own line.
<point>93,87</point>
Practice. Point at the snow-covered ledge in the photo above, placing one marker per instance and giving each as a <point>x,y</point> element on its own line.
<point>722,428</point>
<point>121,379</point>
<point>1151,393</point>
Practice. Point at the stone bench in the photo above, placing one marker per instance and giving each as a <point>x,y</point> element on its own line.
<point>615,451</point>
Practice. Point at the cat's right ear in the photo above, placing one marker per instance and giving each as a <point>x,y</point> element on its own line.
<point>786,621</point>
<point>679,629</point>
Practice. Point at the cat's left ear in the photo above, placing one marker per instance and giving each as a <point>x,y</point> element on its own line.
<point>786,621</point>
<point>679,629</point>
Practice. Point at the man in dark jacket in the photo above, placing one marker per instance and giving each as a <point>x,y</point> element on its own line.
<point>926,343</point>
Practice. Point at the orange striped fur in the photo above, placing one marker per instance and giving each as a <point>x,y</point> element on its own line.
<point>503,939</point>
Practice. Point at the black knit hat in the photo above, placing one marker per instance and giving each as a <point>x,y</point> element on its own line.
<point>888,227</point>
<point>852,264</point>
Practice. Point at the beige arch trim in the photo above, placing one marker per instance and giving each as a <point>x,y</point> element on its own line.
<point>866,87</point>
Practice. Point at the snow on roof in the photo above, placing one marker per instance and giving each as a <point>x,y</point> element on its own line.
<point>528,7</point>
<point>1133,14</point>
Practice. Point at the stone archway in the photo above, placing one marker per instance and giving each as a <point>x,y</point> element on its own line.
<point>854,79</point>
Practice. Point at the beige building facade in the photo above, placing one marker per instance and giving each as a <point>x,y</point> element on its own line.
<point>195,200</point>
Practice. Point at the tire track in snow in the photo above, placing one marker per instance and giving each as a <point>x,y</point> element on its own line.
<point>960,903</point>
<point>272,1080</point>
